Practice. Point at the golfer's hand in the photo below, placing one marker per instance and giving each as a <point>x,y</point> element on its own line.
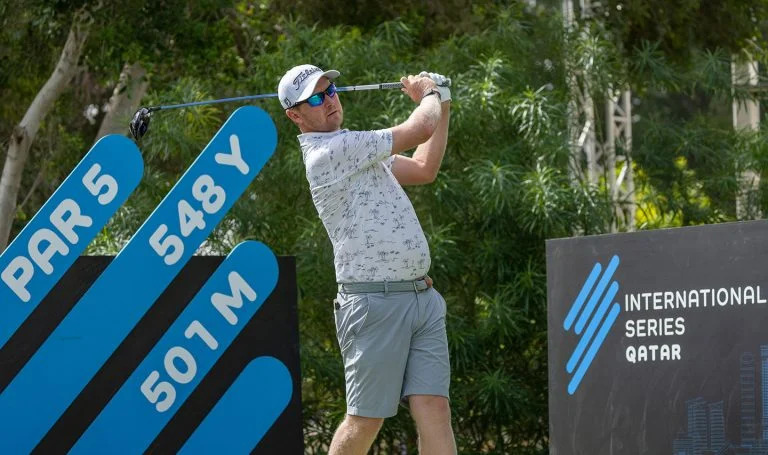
<point>417,86</point>
<point>442,84</point>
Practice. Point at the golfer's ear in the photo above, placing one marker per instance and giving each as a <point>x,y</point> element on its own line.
<point>292,115</point>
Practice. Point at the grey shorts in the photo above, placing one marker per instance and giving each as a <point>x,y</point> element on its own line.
<point>393,345</point>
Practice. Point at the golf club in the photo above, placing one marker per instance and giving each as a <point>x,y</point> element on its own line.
<point>140,123</point>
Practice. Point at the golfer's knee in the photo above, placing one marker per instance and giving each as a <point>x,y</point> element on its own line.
<point>363,425</point>
<point>430,409</point>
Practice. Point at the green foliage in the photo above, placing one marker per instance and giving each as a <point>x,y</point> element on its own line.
<point>695,166</point>
<point>687,25</point>
<point>504,186</point>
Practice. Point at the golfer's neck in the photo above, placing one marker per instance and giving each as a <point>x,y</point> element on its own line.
<point>307,130</point>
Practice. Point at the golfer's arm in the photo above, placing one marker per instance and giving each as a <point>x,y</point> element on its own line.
<point>419,126</point>
<point>423,166</point>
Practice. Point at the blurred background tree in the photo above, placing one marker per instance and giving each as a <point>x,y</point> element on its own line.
<point>504,186</point>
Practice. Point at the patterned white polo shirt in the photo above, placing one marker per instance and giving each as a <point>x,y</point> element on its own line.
<point>374,230</point>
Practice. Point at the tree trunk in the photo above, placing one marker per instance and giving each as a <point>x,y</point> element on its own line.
<point>746,116</point>
<point>125,99</point>
<point>24,133</point>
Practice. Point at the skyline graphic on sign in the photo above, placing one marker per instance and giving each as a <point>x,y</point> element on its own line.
<point>705,426</point>
<point>596,289</point>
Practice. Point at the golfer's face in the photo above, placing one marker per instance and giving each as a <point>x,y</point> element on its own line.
<point>325,117</point>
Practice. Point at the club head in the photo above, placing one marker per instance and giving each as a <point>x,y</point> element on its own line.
<point>140,123</point>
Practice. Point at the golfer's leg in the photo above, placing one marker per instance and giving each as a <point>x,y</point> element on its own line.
<point>374,336</point>
<point>355,435</point>
<point>432,415</point>
<point>428,377</point>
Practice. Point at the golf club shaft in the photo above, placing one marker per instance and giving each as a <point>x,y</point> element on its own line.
<point>352,88</point>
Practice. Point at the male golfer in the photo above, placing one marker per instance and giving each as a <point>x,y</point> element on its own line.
<point>390,322</point>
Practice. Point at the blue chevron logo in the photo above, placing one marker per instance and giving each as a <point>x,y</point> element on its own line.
<point>601,318</point>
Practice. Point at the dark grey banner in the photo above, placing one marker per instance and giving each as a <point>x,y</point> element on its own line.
<point>658,342</point>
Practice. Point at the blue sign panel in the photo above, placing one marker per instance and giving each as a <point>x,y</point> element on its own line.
<point>188,350</point>
<point>99,322</point>
<point>245,412</point>
<point>38,257</point>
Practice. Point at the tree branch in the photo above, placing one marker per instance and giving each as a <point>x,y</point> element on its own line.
<point>24,133</point>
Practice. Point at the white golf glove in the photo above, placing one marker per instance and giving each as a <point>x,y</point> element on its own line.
<point>440,80</point>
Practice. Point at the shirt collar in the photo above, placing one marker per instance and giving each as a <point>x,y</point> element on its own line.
<point>308,138</point>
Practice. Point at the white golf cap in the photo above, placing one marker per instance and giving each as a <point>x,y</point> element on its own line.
<point>298,83</point>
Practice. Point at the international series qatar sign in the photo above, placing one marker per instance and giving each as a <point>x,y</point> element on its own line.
<point>104,312</point>
<point>658,341</point>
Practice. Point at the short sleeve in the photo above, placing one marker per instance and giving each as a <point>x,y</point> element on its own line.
<point>355,151</point>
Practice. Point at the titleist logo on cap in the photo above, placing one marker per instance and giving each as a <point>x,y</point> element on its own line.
<point>303,76</point>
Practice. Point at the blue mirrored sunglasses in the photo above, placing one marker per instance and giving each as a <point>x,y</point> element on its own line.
<point>318,98</point>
